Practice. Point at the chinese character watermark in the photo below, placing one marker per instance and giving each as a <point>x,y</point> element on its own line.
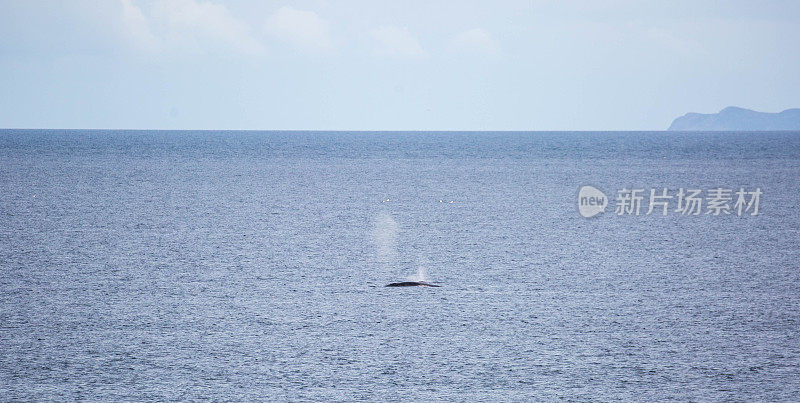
<point>688,201</point>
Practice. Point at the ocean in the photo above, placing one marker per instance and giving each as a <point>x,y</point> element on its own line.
<point>231,265</point>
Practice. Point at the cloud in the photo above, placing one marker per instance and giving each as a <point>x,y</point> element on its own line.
<point>188,25</point>
<point>303,29</point>
<point>476,41</point>
<point>137,28</point>
<point>396,42</point>
<point>678,44</point>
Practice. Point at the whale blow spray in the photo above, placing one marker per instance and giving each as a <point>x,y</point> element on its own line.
<point>384,236</point>
<point>421,274</point>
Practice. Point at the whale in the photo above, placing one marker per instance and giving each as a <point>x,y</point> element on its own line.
<point>412,284</point>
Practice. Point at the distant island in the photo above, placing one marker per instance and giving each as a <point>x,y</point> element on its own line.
<point>738,119</point>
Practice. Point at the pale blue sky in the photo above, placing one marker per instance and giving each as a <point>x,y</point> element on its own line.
<point>401,65</point>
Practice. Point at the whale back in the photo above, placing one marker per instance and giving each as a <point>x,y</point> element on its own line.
<point>412,284</point>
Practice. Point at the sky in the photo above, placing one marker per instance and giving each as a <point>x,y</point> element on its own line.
<point>392,65</point>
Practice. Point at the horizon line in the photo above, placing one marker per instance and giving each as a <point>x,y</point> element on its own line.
<point>397,131</point>
<point>335,130</point>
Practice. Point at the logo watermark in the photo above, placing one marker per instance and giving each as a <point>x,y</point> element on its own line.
<point>684,201</point>
<point>591,201</point>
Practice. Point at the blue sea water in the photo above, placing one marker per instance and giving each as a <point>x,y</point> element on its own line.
<point>152,265</point>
